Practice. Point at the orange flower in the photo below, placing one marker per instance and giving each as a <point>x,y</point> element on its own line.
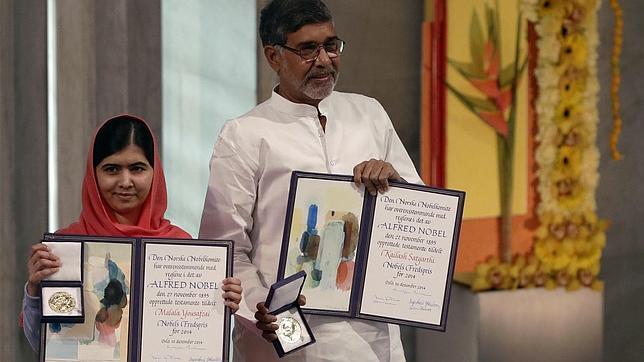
<point>491,60</point>
<point>488,86</point>
<point>496,121</point>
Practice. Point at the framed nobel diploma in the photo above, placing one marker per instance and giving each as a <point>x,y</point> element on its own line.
<point>145,300</point>
<point>388,257</point>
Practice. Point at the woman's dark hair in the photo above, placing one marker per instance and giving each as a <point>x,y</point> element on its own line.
<point>282,17</point>
<point>120,132</point>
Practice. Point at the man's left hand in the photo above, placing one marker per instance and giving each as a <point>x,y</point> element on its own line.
<point>266,322</point>
<point>375,175</point>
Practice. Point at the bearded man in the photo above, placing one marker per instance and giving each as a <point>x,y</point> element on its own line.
<point>305,126</point>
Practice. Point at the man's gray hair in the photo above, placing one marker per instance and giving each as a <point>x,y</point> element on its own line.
<point>282,17</point>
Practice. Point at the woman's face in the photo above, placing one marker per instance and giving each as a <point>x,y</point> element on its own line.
<point>124,180</point>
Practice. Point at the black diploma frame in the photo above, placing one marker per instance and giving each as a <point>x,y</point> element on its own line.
<point>188,259</point>
<point>400,268</point>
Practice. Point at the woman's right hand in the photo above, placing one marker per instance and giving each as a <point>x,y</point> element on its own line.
<point>42,263</point>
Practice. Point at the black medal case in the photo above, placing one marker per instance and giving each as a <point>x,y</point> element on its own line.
<point>294,332</point>
<point>62,292</point>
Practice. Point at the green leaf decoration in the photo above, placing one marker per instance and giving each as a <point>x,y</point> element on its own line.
<point>476,41</point>
<point>483,104</point>
<point>474,104</point>
<point>467,70</point>
<point>497,26</point>
<point>492,34</point>
<point>507,73</point>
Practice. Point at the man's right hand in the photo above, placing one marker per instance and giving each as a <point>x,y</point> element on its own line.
<point>41,264</point>
<point>266,322</point>
<point>375,175</point>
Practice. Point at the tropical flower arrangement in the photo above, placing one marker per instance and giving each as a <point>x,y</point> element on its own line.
<point>570,239</point>
<point>495,104</point>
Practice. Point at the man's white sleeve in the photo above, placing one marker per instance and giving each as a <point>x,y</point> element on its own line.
<point>397,156</point>
<point>228,210</point>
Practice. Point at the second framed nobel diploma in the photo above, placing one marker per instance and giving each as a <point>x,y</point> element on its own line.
<point>146,300</point>
<point>388,257</point>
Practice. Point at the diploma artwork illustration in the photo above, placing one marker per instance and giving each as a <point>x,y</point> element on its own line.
<point>388,257</point>
<point>145,300</point>
<point>323,241</point>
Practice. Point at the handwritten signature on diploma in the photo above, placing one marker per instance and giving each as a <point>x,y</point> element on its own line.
<point>165,357</point>
<point>168,357</point>
<point>386,300</point>
<point>422,304</point>
<point>402,291</point>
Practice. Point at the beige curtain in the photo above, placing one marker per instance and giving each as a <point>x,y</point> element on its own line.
<point>23,157</point>
<point>109,62</point>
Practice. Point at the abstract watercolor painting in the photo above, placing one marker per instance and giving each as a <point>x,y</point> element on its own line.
<point>324,231</point>
<point>106,289</point>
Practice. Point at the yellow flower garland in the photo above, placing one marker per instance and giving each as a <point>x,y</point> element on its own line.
<point>569,242</point>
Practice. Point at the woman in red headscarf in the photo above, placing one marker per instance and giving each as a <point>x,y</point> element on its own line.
<point>124,194</point>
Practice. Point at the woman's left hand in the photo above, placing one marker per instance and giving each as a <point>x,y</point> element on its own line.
<point>232,293</point>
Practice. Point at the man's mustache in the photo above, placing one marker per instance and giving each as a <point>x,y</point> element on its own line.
<point>322,73</point>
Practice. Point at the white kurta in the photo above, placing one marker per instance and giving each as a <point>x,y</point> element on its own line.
<point>250,171</point>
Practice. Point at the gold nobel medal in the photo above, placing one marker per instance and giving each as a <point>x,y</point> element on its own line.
<point>62,302</point>
<point>289,330</point>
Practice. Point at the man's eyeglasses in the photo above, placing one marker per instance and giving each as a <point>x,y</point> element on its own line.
<point>311,52</point>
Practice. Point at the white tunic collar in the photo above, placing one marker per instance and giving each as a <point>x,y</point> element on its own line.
<point>299,109</point>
